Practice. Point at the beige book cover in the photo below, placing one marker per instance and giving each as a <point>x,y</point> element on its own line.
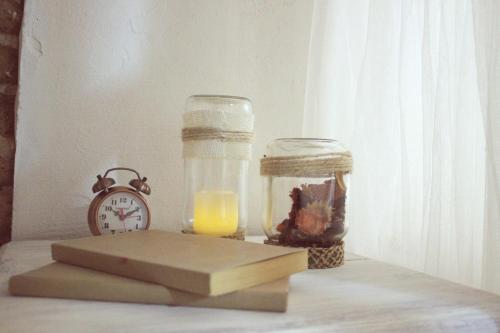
<point>198,264</point>
<point>67,281</point>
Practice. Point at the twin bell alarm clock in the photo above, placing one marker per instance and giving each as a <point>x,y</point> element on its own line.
<point>118,209</point>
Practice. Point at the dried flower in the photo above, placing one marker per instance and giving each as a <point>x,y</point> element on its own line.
<point>315,218</point>
<point>283,225</point>
<point>318,192</point>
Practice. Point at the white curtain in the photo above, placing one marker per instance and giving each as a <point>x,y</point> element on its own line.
<point>399,83</point>
<point>487,33</point>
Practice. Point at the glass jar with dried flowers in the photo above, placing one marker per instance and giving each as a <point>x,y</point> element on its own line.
<point>306,184</point>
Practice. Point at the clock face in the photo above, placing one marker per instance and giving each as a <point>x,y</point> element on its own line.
<point>122,212</point>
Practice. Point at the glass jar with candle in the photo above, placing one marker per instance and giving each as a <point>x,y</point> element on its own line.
<point>306,184</point>
<point>217,141</point>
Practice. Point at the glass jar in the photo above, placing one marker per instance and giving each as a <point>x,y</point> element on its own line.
<point>306,184</point>
<point>217,136</point>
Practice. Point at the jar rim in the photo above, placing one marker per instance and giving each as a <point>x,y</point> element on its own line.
<point>306,139</point>
<point>304,146</point>
<point>221,96</point>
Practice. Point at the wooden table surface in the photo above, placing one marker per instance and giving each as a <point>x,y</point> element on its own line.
<point>361,296</point>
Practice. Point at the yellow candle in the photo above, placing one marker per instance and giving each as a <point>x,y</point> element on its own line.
<point>215,213</point>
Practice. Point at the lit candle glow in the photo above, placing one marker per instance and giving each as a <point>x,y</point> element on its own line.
<point>215,213</point>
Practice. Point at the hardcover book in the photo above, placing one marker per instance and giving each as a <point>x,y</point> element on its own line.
<point>198,264</point>
<point>66,281</point>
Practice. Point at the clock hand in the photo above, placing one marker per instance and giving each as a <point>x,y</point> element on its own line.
<point>122,216</point>
<point>131,212</point>
<point>115,212</point>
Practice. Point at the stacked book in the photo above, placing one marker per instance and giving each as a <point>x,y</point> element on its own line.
<point>159,267</point>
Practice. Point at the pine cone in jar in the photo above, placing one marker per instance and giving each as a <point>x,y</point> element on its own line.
<point>314,219</point>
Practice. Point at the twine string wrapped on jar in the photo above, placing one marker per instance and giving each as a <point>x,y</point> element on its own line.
<point>319,165</point>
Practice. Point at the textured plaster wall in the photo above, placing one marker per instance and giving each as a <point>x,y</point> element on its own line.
<point>11,13</point>
<point>103,83</point>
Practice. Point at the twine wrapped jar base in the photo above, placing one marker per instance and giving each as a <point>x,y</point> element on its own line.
<point>321,257</point>
<point>239,235</point>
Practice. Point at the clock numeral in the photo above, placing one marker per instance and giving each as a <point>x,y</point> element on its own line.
<point>123,200</point>
<point>108,208</point>
<point>103,216</point>
<point>113,202</point>
<point>139,218</point>
<point>136,226</point>
<point>138,208</point>
<point>106,225</point>
<point>131,202</point>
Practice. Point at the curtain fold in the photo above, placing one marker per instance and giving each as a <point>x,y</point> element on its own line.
<point>487,46</point>
<point>397,81</point>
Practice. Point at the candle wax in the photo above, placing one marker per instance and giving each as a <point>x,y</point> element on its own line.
<point>215,213</point>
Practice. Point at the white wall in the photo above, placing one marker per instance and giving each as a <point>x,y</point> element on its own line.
<point>103,83</point>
